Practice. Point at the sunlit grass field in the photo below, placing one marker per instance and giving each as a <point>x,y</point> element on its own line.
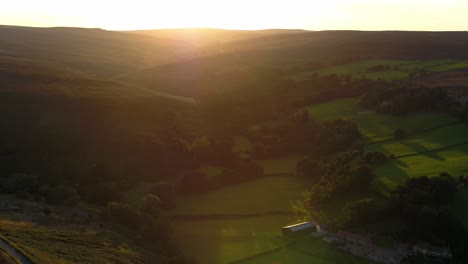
<point>306,251</point>
<point>225,239</point>
<point>437,138</point>
<point>391,173</point>
<point>376,127</point>
<point>275,193</point>
<point>404,67</point>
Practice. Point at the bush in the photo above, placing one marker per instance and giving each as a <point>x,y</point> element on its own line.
<point>151,205</point>
<point>374,156</point>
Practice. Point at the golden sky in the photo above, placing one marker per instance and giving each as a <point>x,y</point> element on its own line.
<point>240,14</point>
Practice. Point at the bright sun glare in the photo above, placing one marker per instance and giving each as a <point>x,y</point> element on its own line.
<point>239,14</point>
<point>140,14</point>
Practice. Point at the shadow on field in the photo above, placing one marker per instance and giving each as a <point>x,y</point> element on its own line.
<point>388,176</point>
<point>418,148</point>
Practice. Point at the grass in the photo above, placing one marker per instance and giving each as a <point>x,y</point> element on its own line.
<point>306,251</point>
<point>438,138</point>
<point>392,173</point>
<point>376,127</point>
<point>277,193</point>
<point>226,240</point>
<point>62,245</point>
<point>211,172</point>
<point>285,165</point>
<point>359,69</point>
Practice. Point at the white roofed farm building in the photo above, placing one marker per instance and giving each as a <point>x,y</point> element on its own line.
<point>304,227</point>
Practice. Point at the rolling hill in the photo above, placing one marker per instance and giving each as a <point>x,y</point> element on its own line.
<point>302,52</point>
<point>90,51</point>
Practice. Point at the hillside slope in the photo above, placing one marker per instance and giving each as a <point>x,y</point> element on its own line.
<point>310,50</point>
<point>91,51</point>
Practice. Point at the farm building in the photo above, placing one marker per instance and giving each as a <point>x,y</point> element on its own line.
<point>353,238</point>
<point>299,228</point>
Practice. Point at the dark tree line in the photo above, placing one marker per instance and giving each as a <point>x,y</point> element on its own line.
<point>298,133</point>
<point>344,174</point>
<point>196,182</point>
<point>404,100</point>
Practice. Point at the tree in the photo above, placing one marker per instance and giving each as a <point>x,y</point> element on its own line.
<point>361,212</point>
<point>309,168</point>
<point>151,205</point>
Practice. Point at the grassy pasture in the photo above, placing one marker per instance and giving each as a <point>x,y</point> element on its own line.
<point>226,240</point>
<point>380,127</point>
<point>359,69</point>
<point>285,165</point>
<point>221,240</point>
<point>437,138</point>
<point>306,251</point>
<point>277,193</point>
<point>391,173</point>
<point>376,127</point>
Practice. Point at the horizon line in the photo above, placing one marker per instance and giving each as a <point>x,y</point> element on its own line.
<point>226,29</point>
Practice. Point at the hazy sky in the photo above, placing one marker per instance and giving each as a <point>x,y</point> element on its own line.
<point>240,14</point>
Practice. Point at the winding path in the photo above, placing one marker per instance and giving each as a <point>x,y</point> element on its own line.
<point>14,253</point>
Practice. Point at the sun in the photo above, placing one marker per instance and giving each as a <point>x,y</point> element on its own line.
<point>240,14</point>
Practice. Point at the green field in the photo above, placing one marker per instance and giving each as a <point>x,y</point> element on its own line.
<point>377,127</point>
<point>404,67</point>
<point>285,165</point>
<point>276,193</point>
<point>359,69</point>
<point>306,251</point>
<point>391,173</point>
<point>221,240</point>
<point>437,138</point>
<point>226,240</point>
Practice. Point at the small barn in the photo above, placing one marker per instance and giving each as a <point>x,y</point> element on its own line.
<point>304,227</point>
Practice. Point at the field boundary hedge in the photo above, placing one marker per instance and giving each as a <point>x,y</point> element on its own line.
<point>263,253</point>
<point>224,216</point>
<point>431,150</point>
<point>414,133</point>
